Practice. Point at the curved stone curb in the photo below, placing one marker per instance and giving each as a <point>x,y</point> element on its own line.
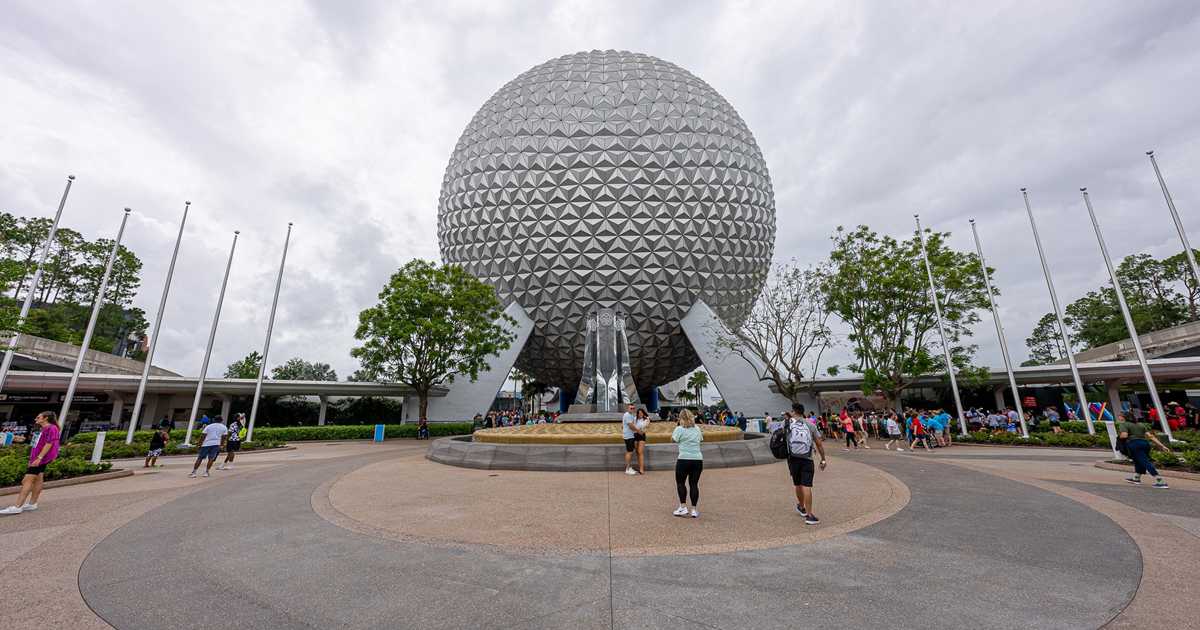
<point>1166,472</point>
<point>74,481</point>
<point>589,457</point>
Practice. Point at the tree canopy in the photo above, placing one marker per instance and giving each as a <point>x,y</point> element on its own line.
<point>245,367</point>
<point>787,330</point>
<point>432,324</point>
<point>877,286</point>
<point>297,369</point>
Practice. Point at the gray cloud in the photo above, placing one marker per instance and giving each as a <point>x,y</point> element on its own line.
<point>340,117</point>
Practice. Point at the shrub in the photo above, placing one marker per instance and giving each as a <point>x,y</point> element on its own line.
<point>358,432</point>
<point>14,461</point>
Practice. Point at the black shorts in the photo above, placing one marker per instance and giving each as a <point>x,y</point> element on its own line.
<point>802,469</point>
<point>35,470</point>
<point>639,437</point>
<point>629,444</point>
<point>233,446</point>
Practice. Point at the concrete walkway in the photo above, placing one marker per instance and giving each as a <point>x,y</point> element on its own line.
<point>986,539</point>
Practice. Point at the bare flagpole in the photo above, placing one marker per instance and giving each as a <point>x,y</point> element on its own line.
<point>1133,334</point>
<point>37,278</point>
<point>1187,247</point>
<point>262,369</point>
<point>937,309</point>
<point>212,335</point>
<point>1062,328</point>
<point>1012,380</point>
<point>91,327</point>
<point>162,305</point>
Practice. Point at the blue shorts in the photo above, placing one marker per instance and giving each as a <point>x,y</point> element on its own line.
<point>210,452</point>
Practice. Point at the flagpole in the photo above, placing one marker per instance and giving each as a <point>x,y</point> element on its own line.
<point>212,335</point>
<point>1012,380</point>
<point>1062,328</point>
<point>1133,334</point>
<point>91,327</point>
<point>937,309</point>
<point>1187,247</point>
<point>37,278</point>
<point>262,368</point>
<point>153,345</point>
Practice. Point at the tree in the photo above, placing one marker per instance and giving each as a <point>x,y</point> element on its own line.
<point>246,367</point>
<point>536,390</point>
<point>1177,269</point>
<point>297,369</point>
<point>786,332</point>
<point>698,381</point>
<point>431,324</point>
<point>685,395</point>
<point>878,287</point>
<point>1045,342</point>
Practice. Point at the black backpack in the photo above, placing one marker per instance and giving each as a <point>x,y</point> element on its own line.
<point>779,442</point>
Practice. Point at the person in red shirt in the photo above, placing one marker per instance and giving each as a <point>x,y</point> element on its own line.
<point>919,435</point>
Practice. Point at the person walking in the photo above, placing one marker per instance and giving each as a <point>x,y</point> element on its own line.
<point>158,442</point>
<point>918,433</point>
<point>629,434</point>
<point>1137,438</point>
<point>803,436</point>
<point>233,442</point>
<point>214,434</point>
<point>893,432</point>
<point>43,450</point>
<point>640,425</point>
<point>689,464</point>
<point>848,429</point>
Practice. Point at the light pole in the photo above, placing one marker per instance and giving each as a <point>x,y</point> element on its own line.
<point>1062,328</point>
<point>212,335</point>
<point>1012,380</point>
<point>91,326</point>
<point>1133,334</point>
<point>937,309</point>
<point>37,278</point>
<point>262,369</point>
<point>153,345</point>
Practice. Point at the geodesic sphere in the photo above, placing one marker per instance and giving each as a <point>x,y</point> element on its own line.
<point>610,179</point>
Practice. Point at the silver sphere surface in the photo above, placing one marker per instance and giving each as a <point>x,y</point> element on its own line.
<point>610,179</point>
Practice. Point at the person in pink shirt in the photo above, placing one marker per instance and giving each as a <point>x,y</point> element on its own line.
<point>43,451</point>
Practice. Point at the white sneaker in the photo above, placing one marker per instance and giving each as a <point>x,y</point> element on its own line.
<point>630,471</point>
<point>680,511</point>
<point>695,513</point>
<point>221,467</point>
<point>12,509</point>
<point>192,474</point>
<point>206,473</point>
<point>899,449</point>
<point>228,467</point>
<point>29,507</point>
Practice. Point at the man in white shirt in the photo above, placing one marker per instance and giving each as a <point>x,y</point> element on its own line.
<point>214,433</point>
<point>629,434</point>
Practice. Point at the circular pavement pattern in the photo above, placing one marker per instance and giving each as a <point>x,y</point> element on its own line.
<point>555,512</point>
<point>968,550</point>
<point>594,433</point>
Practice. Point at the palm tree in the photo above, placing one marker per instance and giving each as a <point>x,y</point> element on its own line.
<point>536,390</point>
<point>519,379</point>
<point>698,381</point>
<point>685,396</point>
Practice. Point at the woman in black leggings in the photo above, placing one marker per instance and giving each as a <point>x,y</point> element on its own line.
<point>690,463</point>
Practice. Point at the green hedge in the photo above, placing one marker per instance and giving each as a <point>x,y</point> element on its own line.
<point>15,459</point>
<point>1072,440</point>
<point>118,449</point>
<point>359,432</point>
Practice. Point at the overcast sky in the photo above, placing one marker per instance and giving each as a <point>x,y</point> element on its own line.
<point>340,116</point>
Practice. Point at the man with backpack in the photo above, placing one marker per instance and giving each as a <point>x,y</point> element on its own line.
<point>802,436</point>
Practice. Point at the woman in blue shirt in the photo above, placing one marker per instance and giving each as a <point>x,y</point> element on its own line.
<point>690,463</point>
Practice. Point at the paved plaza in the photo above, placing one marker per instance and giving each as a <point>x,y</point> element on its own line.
<point>360,535</point>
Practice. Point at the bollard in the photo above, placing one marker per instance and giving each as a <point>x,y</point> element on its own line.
<point>98,449</point>
<point>1111,428</point>
<point>379,433</point>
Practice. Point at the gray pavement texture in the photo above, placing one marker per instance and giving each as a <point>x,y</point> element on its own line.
<point>971,550</point>
<point>1172,501</point>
